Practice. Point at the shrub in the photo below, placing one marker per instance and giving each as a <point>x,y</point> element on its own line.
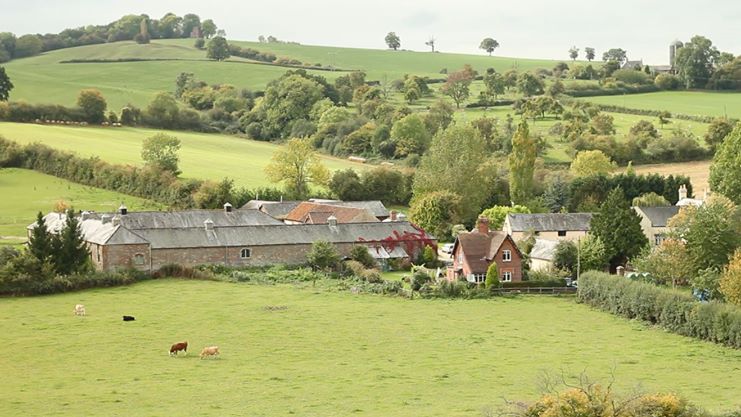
<point>372,276</point>
<point>667,82</point>
<point>673,310</point>
<point>355,268</point>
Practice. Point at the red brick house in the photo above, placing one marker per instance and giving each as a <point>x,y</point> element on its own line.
<point>475,251</point>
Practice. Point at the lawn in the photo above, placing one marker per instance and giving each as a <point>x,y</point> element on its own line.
<point>325,353</point>
<point>204,156</point>
<point>703,103</point>
<point>44,79</point>
<point>25,193</point>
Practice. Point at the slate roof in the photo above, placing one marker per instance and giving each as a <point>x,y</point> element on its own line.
<point>190,218</point>
<point>274,209</point>
<point>544,249</point>
<point>549,222</point>
<point>659,216</point>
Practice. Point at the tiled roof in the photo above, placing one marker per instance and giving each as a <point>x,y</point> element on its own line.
<point>479,248</point>
<point>374,206</point>
<point>343,214</point>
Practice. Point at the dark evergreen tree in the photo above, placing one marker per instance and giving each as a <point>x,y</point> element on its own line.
<point>40,243</point>
<point>619,228</point>
<point>71,255</point>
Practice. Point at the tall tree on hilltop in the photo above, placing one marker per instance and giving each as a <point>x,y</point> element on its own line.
<point>573,53</point>
<point>521,165</point>
<point>393,41</point>
<point>615,55</point>
<point>589,53</point>
<point>696,61</point>
<point>431,43</point>
<point>208,28</point>
<point>40,241</point>
<point>619,228</point>
<point>489,45</point>
<point>5,85</point>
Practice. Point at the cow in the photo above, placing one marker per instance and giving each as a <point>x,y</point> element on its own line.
<point>177,347</point>
<point>209,351</point>
<point>128,318</point>
<point>79,310</point>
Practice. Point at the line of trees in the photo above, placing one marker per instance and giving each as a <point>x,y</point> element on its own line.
<point>130,27</point>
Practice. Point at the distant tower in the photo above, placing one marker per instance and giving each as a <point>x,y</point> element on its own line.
<point>673,49</point>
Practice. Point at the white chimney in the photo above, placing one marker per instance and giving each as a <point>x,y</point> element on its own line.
<point>84,215</point>
<point>208,224</point>
<point>123,210</point>
<point>392,215</point>
<point>682,192</point>
<point>228,208</point>
<point>401,217</point>
<point>116,221</point>
<point>332,221</point>
<point>106,218</point>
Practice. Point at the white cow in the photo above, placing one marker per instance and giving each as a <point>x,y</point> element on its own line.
<point>209,351</point>
<point>79,310</point>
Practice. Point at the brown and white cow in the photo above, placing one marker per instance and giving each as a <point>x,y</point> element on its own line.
<point>209,351</point>
<point>177,347</point>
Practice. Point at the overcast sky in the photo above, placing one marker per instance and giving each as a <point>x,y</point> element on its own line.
<point>524,28</point>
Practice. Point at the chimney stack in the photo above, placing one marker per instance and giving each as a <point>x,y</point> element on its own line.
<point>392,215</point>
<point>84,215</point>
<point>123,210</point>
<point>401,217</point>
<point>208,224</point>
<point>682,192</point>
<point>116,221</point>
<point>332,221</point>
<point>483,225</point>
<point>228,208</point>
<point>106,218</point>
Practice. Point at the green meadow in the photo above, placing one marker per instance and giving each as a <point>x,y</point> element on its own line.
<point>26,192</point>
<point>202,156</point>
<point>45,79</point>
<point>703,103</point>
<point>326,353</point>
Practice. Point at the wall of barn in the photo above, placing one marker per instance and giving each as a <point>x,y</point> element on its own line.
<point>122,256</point>
<point>550,235</point>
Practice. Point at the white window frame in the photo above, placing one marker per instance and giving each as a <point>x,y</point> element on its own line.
<point>243,251</point>
<point>137,257</point>
<point>506,255</point>
<point>507,276</point>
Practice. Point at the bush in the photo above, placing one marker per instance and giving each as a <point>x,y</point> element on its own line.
<point>667,82</point>
<point>673,310</point>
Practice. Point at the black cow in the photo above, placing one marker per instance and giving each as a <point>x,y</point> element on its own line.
<point>128,318</point>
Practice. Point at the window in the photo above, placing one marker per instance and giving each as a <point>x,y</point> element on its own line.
<point>98,251</point>
<point>507,276</point>
<point>561,233</point>
<point>477,278</point>
<point>245,253</point>
<point>507,255</point>
<point>658,239</point>
<point>139,259</point>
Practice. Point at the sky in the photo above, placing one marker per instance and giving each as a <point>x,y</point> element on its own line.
<point>524,28</point>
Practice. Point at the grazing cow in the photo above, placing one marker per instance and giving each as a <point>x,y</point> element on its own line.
<point>79,310</point>
<point>128,318</point>
<point>177,347</point>
<point>209,351</point>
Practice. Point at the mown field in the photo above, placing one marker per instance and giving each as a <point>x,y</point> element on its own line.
<point>703,103</point>
<point>26,192</point>
<point>326,354</point>
<point>203,156</point>
<point>44,79</point>
<point>698,171</point>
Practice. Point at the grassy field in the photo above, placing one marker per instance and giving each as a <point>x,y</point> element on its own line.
<point>28,192</point>
<point>204,156</point>
<point>326,354</point>
<point>698,171</point>
<point>44,79</point>
<point>703,103</point>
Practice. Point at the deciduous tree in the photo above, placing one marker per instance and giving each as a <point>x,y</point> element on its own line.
<point>573,53</point>
<point>297,165</point>
<point>208,28</point>
<point>529,84</point>
<point>161,151</point>
<point>521,165</point>
<point>437,212</point>
<point>92,104</point>
<point>589,53</point>
<point>393,41</point>
<point>730,280</point>
<point>489,45</point>
<point>323,256</point>
<point>650,200</point>
<point>410,135</point>
<point>725,171</point>
<point>497,214</point>
<point>618,55</point>
<point>218,49</point>
<point>588,163</point>
<point>718,129</point>
<point>695,61</point>
<point>457,86</point>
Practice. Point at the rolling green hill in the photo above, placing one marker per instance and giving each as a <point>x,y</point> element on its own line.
<point>203,156</point>
<point>28,192</point>
<point>44,79</point>
<point>703,103</point>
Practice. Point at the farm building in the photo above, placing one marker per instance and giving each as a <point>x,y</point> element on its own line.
<point>553,226</point>
<point>308,212</point>
<point>149,240</point>
<point>543,254</point>
<point>474,251</point>
<point>280,209</point>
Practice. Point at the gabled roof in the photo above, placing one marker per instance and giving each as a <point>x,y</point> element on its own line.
<point>549,222</point>
<point>480,248</point>
<point>274,209</point>
<point>658,216</point>
<point>544,249</point>
<point>374,206</point>
<point>302,213</point>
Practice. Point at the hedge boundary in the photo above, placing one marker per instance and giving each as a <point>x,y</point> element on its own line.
<point>675,311</point>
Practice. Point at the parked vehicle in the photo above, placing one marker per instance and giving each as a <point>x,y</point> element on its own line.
<point>448,248</point>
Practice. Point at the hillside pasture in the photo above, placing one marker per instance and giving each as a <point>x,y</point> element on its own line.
<point>702,103</point>
<point>698,171</point>
<point>45,79</point>
<point>26,192</point>
<point>289,351</point>
<point>202,156</point>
